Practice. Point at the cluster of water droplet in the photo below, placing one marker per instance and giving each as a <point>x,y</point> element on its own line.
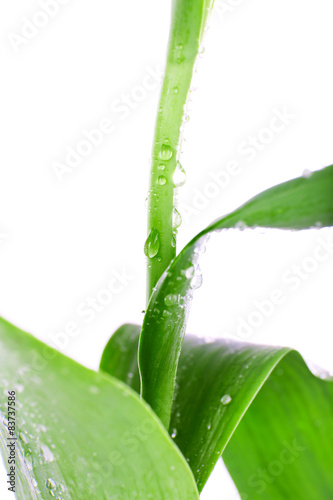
<point>165,153</point>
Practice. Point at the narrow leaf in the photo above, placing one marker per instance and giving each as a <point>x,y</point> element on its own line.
<point>296,204</point>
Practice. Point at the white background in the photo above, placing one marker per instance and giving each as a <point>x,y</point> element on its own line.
<point>61,241</point>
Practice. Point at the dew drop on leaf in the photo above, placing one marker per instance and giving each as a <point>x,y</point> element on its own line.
<point>46,454</point>
<point>93,389</point>
<point>152,244</point>
<point>171,299</point>
<point>176,218</point>
<point>50,484</point>
<point>161,167</point>
<point>23,438</point>
<point>189,272</point>
<point>197,279</point>
<point>162,180</point>
<point>241,225</point>
<point>165,152</point>
<point>226,399</point>
<point>174,433</point>
<point>306,173</point>
<point>179,176</point>
<point>175,90</point>
<point>201,50</point>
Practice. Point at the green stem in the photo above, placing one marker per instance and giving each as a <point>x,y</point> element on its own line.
<point>188,21</point>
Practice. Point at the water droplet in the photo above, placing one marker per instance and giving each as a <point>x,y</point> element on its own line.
<point>180,46</point>
<point>34,482</point>
<point>176,218</point>
<point>174,240</point>
<point>175,90</point>
<point>28,461</point>
<point>93,389</point>
<point>241,225</point>
<point>209,427</point>
<point>201,50</point>
<point>130,375</point>
<point>161,167</point>
<point>226,399</point>
<point>171,299</point>
<point>189,273</point>
<point>152,244</point>
<point>23,438</point>
<point>165,152</point>
<point>186,118</point>
<point>162,180</point>
<point>50,484</point>
<point>307,173</point>
<point>46,454</point>
<point>179,176</point>
<point>174,433</point>
<point>196,281</point>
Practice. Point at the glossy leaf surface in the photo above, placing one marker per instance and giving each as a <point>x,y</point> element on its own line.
<point>297,204</point>
<point>81,434</point>
<point>258,405</point>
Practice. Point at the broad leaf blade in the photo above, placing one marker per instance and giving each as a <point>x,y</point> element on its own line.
<point>81,434</point>
<point>285,439</point>
<point>296,204</point>
<point>259,405</point>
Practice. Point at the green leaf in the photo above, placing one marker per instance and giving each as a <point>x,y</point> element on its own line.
<point>259,405</point>
<point>81,434</point>
<point>120,356</point>
<point>296,204</point>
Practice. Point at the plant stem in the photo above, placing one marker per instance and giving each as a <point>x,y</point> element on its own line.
<point>188,21</point>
